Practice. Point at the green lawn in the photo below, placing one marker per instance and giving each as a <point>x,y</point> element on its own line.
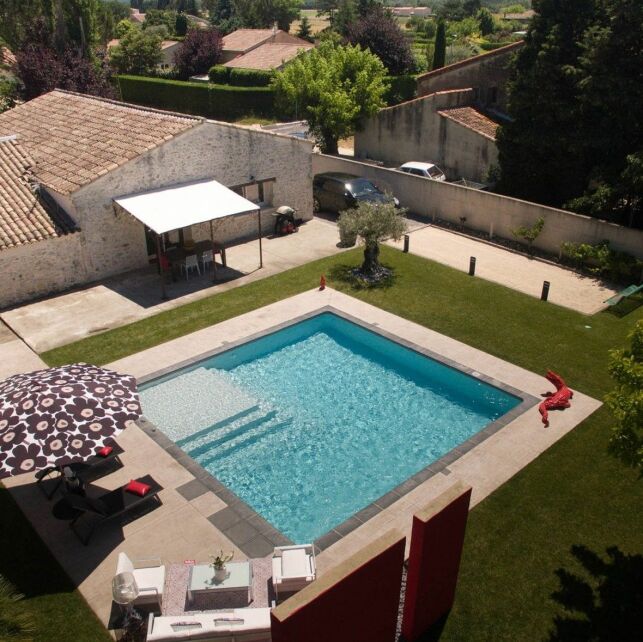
<point>519,540</point>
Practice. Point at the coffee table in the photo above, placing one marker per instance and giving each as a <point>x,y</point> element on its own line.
<point>238,580</point>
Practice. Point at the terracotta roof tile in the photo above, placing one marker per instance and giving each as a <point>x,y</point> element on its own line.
<point>473,119</point>
<point>65,133</point>
<point>244,39</point>
<point>23,218</point>
<point>268,56</point>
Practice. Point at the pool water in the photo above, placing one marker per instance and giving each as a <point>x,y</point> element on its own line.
<point>310,424</point>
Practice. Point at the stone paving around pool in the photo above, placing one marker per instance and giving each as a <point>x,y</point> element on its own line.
<point>195,522</point>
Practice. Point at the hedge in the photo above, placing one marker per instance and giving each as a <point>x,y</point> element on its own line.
<point>401,88</point>
<point>240,77</point>
<point>221,102</point>
<point>219,74</point>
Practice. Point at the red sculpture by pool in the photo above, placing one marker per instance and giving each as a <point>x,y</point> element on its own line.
<point>555,400</point>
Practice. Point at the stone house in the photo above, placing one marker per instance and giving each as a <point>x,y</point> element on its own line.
<point>69,156</point>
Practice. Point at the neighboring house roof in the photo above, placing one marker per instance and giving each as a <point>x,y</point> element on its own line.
<point>136,16</point>
<point>268,56</point>
<point>74,138</point>
<point>23,219</point>
<point>472,119</point>
<point>411,11</point>
<point>245,39</point>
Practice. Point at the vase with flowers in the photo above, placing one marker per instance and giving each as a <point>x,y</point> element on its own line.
<point>218,564</point>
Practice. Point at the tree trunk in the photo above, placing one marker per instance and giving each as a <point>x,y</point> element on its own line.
<point>371,265</point>
<point>330,145</point>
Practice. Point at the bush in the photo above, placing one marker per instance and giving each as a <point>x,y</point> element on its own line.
<point>401,88</point>
<point>602,260</point>
<point>221,102</point>
<point>219,74</point>
<point>250,77</point>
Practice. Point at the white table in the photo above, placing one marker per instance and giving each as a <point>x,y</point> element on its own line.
<point>238,580</point>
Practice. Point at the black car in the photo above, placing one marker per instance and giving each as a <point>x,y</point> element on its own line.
<point>336,191</point>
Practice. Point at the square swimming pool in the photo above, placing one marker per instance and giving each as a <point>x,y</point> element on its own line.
<point>313,422</point>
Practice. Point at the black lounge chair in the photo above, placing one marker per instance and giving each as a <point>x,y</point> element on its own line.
<point>85,471</point>
<point>109,505</point>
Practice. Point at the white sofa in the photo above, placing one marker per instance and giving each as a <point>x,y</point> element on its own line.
<point>233,625</point>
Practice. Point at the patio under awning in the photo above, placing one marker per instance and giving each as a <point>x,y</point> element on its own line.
<point>180,206</point>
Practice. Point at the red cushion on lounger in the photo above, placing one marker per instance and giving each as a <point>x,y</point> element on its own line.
<point>137,488</point>
<point>104,451</point>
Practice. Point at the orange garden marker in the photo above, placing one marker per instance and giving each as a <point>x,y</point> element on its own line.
<point>322,282</point>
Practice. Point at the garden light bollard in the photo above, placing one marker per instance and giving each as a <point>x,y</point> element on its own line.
<point>406,243</point>
<point>545,293</point>
<point>472,266</point>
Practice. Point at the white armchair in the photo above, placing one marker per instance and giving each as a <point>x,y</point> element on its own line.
<point>293,567</point>
<point>149,575</point>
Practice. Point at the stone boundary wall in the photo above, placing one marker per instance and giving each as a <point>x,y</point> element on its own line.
<point>493,214</point>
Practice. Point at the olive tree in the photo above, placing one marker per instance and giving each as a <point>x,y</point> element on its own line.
<point>373,223</point>
<point>626,401</point>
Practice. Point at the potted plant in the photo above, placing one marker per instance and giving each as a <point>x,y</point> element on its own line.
<point>218,564</point>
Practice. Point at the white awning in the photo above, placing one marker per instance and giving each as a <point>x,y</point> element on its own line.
<point>172,208</point>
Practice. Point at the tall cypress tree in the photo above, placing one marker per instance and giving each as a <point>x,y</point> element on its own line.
<point>440,52</point>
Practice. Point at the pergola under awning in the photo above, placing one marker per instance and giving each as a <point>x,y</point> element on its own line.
<point>172,208</point>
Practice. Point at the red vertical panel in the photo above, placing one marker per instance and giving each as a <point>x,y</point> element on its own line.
<point>356,602</point>
<point>434,560</point>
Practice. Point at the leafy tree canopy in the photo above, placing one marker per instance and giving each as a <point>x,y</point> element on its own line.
<point>200,50</point>
<point>576,99</point>
<point>626,401</point>
<point>138,52</point>
<point>262,15</point>
<point>381,34</point>
<point>335,88</point>
<point>305,30</point>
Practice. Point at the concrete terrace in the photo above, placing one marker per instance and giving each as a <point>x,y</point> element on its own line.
<point>68,317</point>
<point>194,521</point>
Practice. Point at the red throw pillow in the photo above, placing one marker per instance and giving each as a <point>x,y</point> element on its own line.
<point>137,488</point>
<point>104,451</point>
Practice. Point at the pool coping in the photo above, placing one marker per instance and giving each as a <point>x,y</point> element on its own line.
<point>248,529</point>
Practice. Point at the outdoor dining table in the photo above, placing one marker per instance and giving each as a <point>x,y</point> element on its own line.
<point>177,255</point>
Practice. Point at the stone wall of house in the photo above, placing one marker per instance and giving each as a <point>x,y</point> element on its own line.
<point>111,241</point>
<point>36,269</point>
<point>492,214</point>
<point>487,73</point>
<point>415,131</point>
<point>231,155</point>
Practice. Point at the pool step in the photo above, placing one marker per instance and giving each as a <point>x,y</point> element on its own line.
<point>231,434</point>
<point>194,402</point>
<point>258,426</point>
<point>224,423</point>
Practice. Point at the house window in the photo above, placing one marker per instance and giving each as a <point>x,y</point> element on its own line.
<point>259,192</point>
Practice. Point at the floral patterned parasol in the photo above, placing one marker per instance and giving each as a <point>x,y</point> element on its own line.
<point>59,415</point>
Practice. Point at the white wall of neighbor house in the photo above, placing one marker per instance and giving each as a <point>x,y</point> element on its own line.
<point>491,213</point>
<point>414,131</point>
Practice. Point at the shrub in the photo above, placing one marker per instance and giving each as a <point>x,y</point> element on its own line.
<point>219,74</point>
<point>221,102</point>
<point>250,77</point>
<point>602,260</point>
<point>200,49</point>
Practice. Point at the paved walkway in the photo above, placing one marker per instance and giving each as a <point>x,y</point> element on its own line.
<point>515,271</point>
<point>114,302</point>
<point>123,299</point>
